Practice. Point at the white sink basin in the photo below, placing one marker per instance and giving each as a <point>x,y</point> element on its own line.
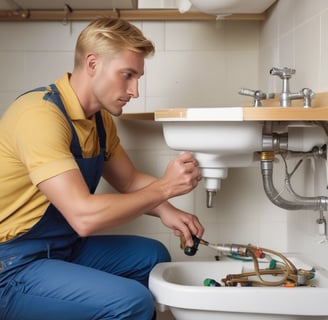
<point>179,287</point>
<point>220,130</point>
<point>218,137</point>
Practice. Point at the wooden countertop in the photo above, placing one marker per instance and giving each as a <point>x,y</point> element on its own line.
<point>269,111</point>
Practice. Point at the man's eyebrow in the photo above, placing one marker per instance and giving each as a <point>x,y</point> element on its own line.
<point>132,71</point>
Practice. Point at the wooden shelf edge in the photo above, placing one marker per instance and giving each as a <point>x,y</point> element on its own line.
<point>133,15</point>
<point>138,116</point>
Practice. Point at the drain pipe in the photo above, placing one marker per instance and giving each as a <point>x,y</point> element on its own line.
<point>299,202</point>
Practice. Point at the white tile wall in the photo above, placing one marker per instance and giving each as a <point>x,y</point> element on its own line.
<point>196,64</point>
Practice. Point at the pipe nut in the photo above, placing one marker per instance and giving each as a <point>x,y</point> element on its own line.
<point>267,155</point>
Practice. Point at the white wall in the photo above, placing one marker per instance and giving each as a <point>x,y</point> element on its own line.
<point>196,64</point>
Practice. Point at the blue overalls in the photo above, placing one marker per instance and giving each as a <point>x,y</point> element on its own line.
<point>50,273</point>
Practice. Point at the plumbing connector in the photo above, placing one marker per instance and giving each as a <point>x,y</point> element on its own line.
<point>267,155</point>
<point>274,142</point>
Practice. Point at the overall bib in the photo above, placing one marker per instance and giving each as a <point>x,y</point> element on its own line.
<point>50,273</point>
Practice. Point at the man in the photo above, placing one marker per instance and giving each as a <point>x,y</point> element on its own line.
<point>55,144</point>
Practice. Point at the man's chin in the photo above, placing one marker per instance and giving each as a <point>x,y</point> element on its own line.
<point>116,113</point>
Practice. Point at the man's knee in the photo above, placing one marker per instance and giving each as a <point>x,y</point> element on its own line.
<point>138,304</point>
<point>163,254</point>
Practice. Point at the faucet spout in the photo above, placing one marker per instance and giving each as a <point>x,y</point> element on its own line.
<point>295,96</point>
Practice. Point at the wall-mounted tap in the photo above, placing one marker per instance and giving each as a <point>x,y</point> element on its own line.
<point>286,96</point>
<point>258,95</point>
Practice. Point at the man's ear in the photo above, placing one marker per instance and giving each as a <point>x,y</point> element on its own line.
<point>91,63</point>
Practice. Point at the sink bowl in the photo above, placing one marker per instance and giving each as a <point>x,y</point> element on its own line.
<point>179,287</point>
<point>219,137</point>
<point>220,131</point>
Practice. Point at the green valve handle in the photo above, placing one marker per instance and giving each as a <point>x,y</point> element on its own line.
<point>273,264</point>
<point>211,283</point>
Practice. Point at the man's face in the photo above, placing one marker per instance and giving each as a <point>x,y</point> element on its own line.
<point>116,80</point>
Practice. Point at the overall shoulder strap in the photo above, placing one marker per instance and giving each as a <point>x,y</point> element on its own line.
<point>54,96</point>
<point>101,133</point>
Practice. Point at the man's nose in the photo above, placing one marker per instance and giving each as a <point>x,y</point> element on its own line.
<point>133,89</point>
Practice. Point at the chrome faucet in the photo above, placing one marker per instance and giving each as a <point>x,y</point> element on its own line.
<point>258,95</point>
<point>286,96</point>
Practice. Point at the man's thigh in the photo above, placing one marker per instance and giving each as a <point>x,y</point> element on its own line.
<point>124,255</point>
<point>57,290</point>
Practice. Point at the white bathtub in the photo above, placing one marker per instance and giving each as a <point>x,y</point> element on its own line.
<point>179,287</point>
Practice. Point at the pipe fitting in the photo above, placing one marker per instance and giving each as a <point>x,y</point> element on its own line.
<point>275,142</point>
<point>267,155</point>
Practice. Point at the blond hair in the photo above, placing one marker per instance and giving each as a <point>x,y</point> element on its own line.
<point>109,36</point>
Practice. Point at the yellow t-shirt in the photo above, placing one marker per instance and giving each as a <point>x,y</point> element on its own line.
<point>35,140</point>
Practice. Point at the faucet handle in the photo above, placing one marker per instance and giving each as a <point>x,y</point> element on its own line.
<point>282,73</point>
<point>308,95</point>
<point>258,95</point>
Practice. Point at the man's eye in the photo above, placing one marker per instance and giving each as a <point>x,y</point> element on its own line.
<point>127,75</point>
